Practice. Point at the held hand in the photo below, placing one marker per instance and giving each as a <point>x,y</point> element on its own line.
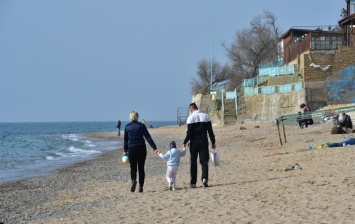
<point>156,151</point>
<point>183,145</point>
<point>125,153</point>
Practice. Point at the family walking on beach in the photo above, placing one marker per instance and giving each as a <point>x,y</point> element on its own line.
<point>198,126</point>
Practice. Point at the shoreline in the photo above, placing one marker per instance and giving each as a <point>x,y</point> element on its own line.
<point>49,166</point>
<point>107,136</point>
<point>251,185</point>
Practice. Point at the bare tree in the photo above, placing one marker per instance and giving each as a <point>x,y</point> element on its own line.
<point>343,13</point>
<point>202,83</point>
<point>253,47</point>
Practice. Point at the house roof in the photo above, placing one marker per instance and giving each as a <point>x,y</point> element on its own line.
<point>345,20</point>
<point>291,30</point>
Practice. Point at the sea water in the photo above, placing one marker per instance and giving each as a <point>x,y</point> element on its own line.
<point>34,149</point>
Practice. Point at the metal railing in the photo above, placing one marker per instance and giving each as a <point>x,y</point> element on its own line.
<point>277,71</point>
<point>286,88</point>
<point>233,95</point>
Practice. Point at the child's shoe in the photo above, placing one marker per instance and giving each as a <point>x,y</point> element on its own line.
<point>171,186</point>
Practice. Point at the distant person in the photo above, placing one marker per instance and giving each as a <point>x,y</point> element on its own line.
<point>300,119</point>
<point>307,115</point>
<point>198,125</point>
<point>118,127</point>
<point>135,148</point>
<point>173,157</point>
<point>144,122</point>
<point>345,122</point>
<point>328,116</point>
<point>349,141</point>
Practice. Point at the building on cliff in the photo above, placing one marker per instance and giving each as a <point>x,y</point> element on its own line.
<point>317,67</point>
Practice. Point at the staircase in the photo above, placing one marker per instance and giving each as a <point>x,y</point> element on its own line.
<point>241,107</point>
<point>230,117</point>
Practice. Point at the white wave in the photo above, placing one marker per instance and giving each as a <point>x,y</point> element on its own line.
<point>88,143</point>
<point>75,150</point>
<point>73,137</point>
<point>49,158</point>
<point>62,154</point>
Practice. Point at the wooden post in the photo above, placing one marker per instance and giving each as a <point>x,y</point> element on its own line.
<point>278,130</point>
<point>283,127</point>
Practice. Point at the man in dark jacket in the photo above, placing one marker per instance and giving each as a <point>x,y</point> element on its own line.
<point>198,125</point>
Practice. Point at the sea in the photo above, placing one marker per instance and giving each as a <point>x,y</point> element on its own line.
<point>38,148</point>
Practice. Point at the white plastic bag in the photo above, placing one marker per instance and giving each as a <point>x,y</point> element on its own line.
<point>215,157</point>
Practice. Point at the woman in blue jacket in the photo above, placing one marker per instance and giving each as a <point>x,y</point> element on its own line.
<point>134,147</point>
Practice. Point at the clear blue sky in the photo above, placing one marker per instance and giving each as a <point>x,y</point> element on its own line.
<point>86,60</point>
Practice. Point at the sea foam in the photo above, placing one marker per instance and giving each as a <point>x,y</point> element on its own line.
<point>72,137</point>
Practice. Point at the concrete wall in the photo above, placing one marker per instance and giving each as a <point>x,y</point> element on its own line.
<point>283,79</point>
<point>316,94</point>
<point>341,86</point>
<point>268,107</point>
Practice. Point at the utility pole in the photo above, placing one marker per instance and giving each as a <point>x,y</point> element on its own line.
<point>211,64</point>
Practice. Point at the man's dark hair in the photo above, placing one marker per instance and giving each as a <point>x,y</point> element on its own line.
<point>193,106</point>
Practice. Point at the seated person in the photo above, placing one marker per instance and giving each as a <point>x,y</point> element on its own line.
<point>307,115</point>
<point>345,121</point>
<point>300,119</point>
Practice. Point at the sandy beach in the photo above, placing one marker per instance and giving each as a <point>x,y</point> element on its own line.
<point>255,183</point>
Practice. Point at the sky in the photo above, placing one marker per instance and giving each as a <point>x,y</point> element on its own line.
<point>97,60</point>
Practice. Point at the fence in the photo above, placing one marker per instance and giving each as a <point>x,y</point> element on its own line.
<point>273,64</point>
<point>251,90</point>
<point>287,88</point>
<point>276,71</point>
<point>268,89</point>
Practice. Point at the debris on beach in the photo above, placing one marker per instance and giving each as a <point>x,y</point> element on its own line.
<point>293,167</point>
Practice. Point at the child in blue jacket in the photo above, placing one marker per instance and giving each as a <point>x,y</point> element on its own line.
<point>173,157</point>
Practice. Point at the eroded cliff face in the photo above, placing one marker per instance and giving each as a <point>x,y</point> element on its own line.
<point>258,107</point>
<point>210,105</point>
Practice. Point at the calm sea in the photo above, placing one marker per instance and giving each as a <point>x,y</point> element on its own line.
<point>34,149</point>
